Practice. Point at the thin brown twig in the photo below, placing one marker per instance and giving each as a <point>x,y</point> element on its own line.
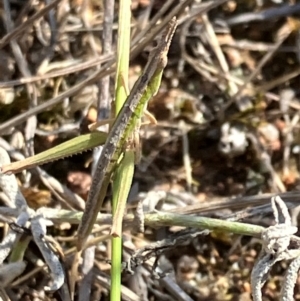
<point>24,26</point>
<point>61,72</point>
<point>286,30</point>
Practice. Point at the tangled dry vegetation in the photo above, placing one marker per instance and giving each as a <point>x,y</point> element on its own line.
<point>227,138</point>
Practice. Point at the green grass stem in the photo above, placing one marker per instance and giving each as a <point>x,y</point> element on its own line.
<point>121,94</point>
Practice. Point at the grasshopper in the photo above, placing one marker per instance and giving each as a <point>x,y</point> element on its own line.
<point>125,124</point>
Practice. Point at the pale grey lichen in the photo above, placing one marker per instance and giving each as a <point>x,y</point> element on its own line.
<point>8,272</point>
<point>9,185</point>
<point>276,242</point>
<point>11,237</point>
<point>38,228</point>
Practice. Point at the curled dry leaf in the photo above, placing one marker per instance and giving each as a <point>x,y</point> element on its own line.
<point>79,182</point>
<point>36,198</point>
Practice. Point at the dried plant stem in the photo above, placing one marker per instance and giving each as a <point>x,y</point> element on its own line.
<point>162,219</point>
